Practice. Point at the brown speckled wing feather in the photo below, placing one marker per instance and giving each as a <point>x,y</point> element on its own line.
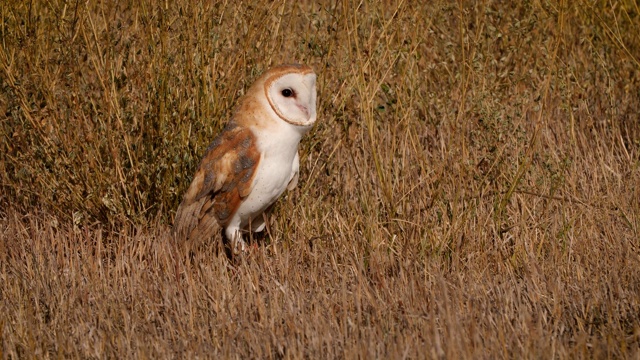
<point>222,180</point>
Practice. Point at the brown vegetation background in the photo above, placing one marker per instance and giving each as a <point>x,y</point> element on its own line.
<point>471,190</point>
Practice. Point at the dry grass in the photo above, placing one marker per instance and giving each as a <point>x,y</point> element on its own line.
<point>472,188</point>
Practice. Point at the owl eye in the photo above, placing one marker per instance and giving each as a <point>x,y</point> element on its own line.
<point>287,92</point>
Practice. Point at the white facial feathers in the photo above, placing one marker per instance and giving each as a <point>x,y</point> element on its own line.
<point>293,97</point>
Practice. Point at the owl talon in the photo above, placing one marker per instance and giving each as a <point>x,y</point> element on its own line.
<point>239,247</point>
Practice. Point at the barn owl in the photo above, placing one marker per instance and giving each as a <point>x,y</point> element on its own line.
<point>251,163</point>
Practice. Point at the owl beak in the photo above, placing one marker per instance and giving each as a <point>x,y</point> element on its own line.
<point>304,109</point>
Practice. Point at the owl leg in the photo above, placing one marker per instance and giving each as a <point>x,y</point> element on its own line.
<point>234,235</point>
<point>258,224</point>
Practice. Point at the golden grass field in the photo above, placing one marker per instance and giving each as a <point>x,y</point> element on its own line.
<point>471,188</point>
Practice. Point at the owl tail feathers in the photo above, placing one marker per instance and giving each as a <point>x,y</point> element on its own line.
<point>193,223</point>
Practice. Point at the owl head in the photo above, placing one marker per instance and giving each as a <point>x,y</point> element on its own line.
<point>289,92</point>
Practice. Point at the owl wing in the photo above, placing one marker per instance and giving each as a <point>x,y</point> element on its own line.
<point>223,179</point>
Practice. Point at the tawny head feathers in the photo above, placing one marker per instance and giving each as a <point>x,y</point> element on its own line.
<point>250,164</point>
